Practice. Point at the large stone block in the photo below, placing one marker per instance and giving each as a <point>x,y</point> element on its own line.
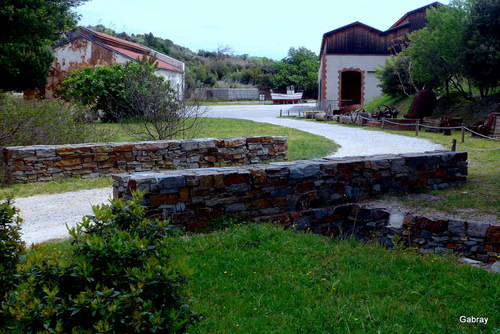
<point>431,224</point>
<point>68,162</point>
<point>493,235</point>
<point>235,142</point>
<point>476,229</point>
<point>236,178</point>
<point>171,181</point>
<point>301,171</point>
<point>457,227</point>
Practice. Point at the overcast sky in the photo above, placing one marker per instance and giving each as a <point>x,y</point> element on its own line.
<point>265,28</point>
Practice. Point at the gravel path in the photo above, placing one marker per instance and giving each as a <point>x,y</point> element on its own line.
<point>353,141</point>
<point>46,216</point>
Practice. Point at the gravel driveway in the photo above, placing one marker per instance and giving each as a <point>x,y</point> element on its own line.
<point>353,141</point>
<point>46,216</point>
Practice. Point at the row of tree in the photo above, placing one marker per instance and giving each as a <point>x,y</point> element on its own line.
<point>458,50</point>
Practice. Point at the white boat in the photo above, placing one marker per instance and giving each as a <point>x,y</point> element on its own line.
<point>286,98</point>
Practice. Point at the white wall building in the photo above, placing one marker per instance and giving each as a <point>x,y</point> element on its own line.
<point>350,55</point>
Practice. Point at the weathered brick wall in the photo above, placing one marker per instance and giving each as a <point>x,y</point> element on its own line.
<point>52,162</point>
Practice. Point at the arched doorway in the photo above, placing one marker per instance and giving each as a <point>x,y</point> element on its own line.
<point>351,85</point>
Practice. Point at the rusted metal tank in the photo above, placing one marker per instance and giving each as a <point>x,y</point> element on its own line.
<point>423,104</point>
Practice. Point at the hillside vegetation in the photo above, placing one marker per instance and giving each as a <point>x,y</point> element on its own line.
<point>221,68</point>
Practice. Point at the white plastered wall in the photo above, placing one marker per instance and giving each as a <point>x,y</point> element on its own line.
<point>364,63</point>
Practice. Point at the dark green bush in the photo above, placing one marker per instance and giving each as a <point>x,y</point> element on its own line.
<point>119,278</point>
<point>11,248</point>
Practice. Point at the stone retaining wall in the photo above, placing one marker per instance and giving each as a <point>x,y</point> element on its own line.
<point>475,240</point>
<point>316,195</point>
<point>52,162</point>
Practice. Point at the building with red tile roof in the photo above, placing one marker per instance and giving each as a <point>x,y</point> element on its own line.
<point>87,47</point>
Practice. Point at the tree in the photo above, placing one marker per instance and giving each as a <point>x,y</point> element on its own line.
<point>482,56</point>
<point>145,104</point>
<point>299,68</point>
<point>29,27</point>
<point>459,47</point>
<point>155,111</point>
<point>100,89</point>
<point>437,51</point>
<point>396,74</point>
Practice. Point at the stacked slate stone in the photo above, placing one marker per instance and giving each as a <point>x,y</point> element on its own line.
<point>40,163</point>
<point>317,196</point>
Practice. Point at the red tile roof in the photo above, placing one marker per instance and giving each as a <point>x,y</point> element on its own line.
<point>129,49</point>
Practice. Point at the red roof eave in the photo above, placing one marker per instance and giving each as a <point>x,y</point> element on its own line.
<point>138,56</point>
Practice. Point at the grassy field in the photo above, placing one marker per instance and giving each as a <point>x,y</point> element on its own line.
<point>301,145</point>
<point>259,278</point>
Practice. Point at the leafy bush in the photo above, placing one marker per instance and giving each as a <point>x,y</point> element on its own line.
<point>11,248</point>
<point>103,89</point>
<point>44,122</point>
<point>119,278</point>
<point>146,104</point>
<point>98,88</point>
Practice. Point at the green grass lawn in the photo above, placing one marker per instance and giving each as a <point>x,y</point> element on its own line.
<point>261,279</point>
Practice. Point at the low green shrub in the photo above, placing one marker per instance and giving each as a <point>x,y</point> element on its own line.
<point>11,248</point>
<point>45,122</point>
<point>119,278</point>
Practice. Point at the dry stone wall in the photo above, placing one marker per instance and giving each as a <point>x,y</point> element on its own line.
<point>476,240</point>
<point>317,195</point>
<point>40,163</point>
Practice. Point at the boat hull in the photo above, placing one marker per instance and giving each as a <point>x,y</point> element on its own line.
<point>286,98</point>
